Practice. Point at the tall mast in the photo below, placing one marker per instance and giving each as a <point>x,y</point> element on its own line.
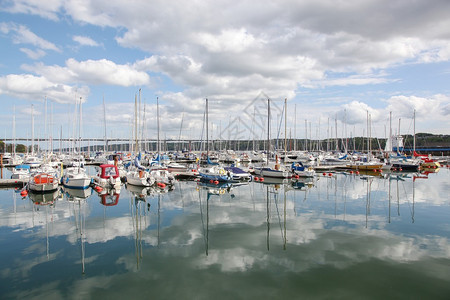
<point>104,123</point>
<point>32,130</point>
<point>80,116</point>
<point>157,125</point>
<point>139,122</point>
<point>135,125</point>
<point>285,128</point>
<point>295,127</point>
<point>179,135</point>
<point>207,132</point>
<point>268,130</point>
<point>306,135</point>
<point>14,132</point>
<point>336,132</point>
<point>345,130</point>
<point>45,122</point>
<point>367,120</point>
<point>414,129</point>
<point>390,132</point>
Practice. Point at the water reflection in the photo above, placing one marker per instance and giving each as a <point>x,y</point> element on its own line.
<point>281,231</point>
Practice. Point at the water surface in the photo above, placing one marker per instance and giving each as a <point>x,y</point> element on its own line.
<point>340,236</point>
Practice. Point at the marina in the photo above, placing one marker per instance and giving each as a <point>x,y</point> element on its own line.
<point>265,150</point>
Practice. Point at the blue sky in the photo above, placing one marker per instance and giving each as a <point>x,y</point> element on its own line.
<point>330,61</point>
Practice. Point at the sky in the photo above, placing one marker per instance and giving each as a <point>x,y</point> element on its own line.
<point>338,64</point>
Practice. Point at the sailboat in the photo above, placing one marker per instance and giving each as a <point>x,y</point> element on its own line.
<point>160,172</point>
<point>212,171</point>
<point>299,169</point>
<point>43,182</point>
<point>397,161</point>
<point>75,178</point>
<point>274,169</point>
<point>367,163</point>
<point>137,174</point>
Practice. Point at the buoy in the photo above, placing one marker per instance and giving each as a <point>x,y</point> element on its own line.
<point>24,193</point>
<point>261,179</point>
<point>162,185</point>
<point>400,169</point>
<point>98,189</point>
<point>329,174</point>
<point>357,172</point>
<point>296,177</point>
<point>211,181</point>
<point>216,182</point>
<point>394,169</point>
<point>351,172</point>
<point>324,174</point>
<point>256,178</point>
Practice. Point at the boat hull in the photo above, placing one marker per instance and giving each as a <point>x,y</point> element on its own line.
<point>365,166</point>
<point>43,183</point>
<point>269,172</point>
<point>136,179</point>
<point>76,183</point>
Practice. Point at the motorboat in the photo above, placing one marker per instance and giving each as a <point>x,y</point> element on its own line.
<point>108,176</point>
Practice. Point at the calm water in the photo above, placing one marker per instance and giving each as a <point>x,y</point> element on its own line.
<point>344,236</point>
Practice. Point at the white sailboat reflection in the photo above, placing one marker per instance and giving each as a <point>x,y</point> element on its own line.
<point>79,213</point>
<point>46,200</point>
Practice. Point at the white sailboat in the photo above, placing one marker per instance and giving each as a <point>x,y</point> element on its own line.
<point>137,175</point>
<point>271,169</point>
<point>75,178</point>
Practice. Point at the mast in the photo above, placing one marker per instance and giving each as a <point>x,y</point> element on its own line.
<point>14,133</point>
<point>414,131</point>
<point>45,121</point>
<point>367,120</point>
<point>51,126</point>
<point>345,131</point>
<point>139,123</point>
<point>157,126</point>
<point>143,130</point>
<point>285,128</point>
<point>79,126</point>
<point>135,125</point>
<point>179,135</point>
<point>32,130</point>
<point>336,131</point>
<point>390,132</point>
<point>207,133</point>
<point>295,127</point>
<point>104,123</point>
<point>328,134</point>
<point>268,130</point>
<point>306,135</point>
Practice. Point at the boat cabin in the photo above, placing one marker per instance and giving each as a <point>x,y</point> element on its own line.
<point>106,171</point>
